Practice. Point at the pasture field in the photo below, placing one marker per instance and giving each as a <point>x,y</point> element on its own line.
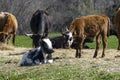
<point>24,41</point>
<point>65,65</point>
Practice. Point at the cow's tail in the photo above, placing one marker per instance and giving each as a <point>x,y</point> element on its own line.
<point>108,28</point>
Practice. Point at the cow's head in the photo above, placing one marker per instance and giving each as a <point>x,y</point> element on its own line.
<point>35,39</point>
<point>3,37</point>
<point>68,39</point>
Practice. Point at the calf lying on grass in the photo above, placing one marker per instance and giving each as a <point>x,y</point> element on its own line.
<point>38,55</point>
<point>60,42</point>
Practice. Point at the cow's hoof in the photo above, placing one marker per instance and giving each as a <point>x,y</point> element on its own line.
<point>94,56</point>
<point>118,48</point>
<point>77,56</point>
<point>102,56</point>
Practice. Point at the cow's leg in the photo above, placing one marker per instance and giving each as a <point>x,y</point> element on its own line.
<point>118,41</point>
<point>118,44</point>
<point>77,52</point>
<point>13,41</point>
<point>45,57</point>
<point>79,47</point>
<point>104,41</point>
<point>97,45</point>
<point>8,37</point>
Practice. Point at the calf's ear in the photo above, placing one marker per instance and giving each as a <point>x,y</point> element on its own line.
<point>64,30</point>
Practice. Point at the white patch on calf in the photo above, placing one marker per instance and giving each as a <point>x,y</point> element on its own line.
<point>48,42</point>
<point>50,61</point>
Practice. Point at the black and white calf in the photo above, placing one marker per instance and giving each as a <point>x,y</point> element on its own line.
<point>39,55</point>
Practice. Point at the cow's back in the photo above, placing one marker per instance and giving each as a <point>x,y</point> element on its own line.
<point>89,25</point>
<point>34,23</point>
<point>39,22</point>
<point>11,24</point>
<point>3,20</point>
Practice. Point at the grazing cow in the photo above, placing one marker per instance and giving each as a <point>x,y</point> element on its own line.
<point>8,27</point>
<point>38,55</point>
<point>89,26</point>
<point>117,26</point>
<point>39,25</point>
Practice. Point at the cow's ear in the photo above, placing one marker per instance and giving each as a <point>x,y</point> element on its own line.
<point>29,35</point>
<point>64,30</point>
<point>46,12</point>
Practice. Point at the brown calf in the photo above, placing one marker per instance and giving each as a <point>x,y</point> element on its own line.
<point>90,26</point>
<point>9,26</point>
<point>117,26</point>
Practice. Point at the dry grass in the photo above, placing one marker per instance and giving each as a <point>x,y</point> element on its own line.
<point>63,58</point>
<point>6,47</point>
<point>111,59</point>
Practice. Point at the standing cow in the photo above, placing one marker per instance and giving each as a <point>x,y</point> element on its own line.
<point>117,26</point>
<point>39,25</point>
<point>8,27</point>
<point>89,26</point>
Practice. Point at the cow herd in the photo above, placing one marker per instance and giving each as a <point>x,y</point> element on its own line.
<point>81,30</point>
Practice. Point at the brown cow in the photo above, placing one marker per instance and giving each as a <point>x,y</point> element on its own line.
<point>89,26</point>
<point>8,27</point>
<point>117,26</point>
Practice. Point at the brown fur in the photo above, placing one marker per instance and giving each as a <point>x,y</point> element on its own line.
<point>117,25</point>
<point>10,26</point>
<point>90,26</point>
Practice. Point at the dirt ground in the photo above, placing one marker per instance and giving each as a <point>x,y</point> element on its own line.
<point>110,63</point>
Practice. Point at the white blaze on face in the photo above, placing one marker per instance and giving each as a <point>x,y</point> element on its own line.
<point>70,39</point>
<point>48,42</point>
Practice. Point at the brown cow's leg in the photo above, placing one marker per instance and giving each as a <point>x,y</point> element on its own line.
<point>118,44</point>
<point>104,40</point>
<point>118,41</point>
<point>97,46</point>
<point>79,48</point>
<point>77,52</point>
<point>13,41</point>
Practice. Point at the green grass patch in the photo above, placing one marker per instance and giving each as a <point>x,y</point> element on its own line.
<point>112,43</point>
<point>66,68</point>
<point>54,72</point>
<point>24,41</point>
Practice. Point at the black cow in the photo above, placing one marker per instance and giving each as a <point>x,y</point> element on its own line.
<point>38,55</point>
<point>39,25</point>
<point>60,42</point>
